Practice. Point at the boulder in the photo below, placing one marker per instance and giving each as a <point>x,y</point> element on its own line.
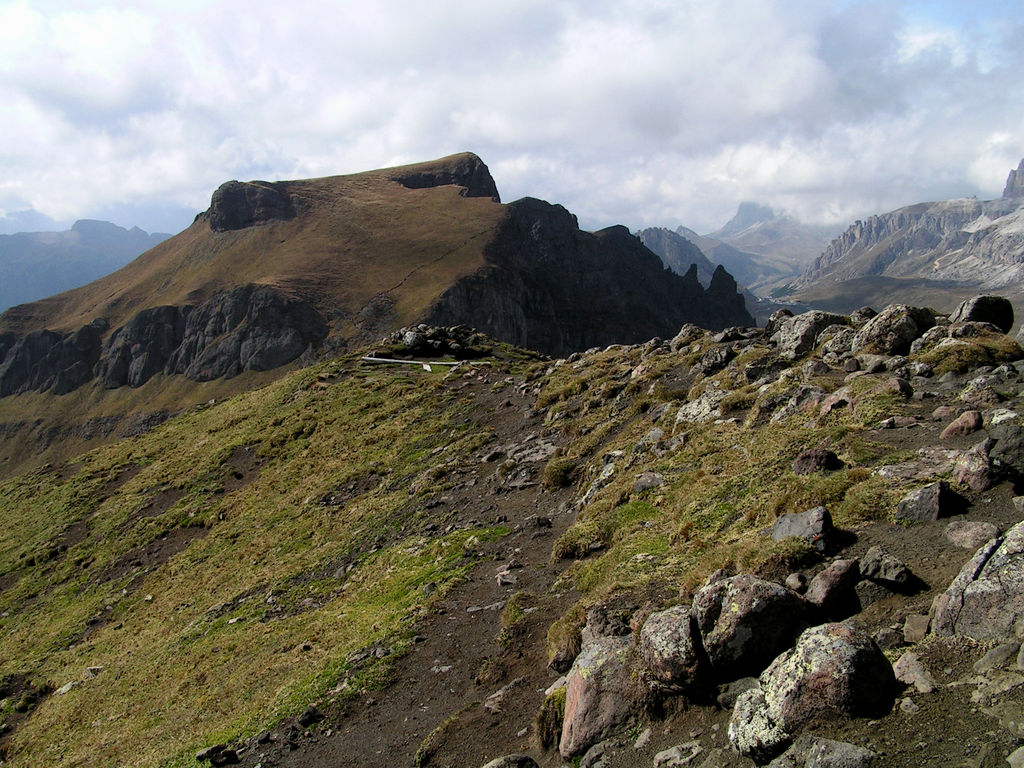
<point>596,700</point>
<point>796,336</point>
<point>973,467</point>
<point>893,330</point>
<point>964,424</point>
<point>985,309</point>
<point>910,671</point>
<point>1007,452</point>
<point>744,622</point>
<point>813,526</point>
<point>775,321</point>
<point>986,599</point>
<point>886,570</point>
<point>670,646</point>
<point>816,460</point>
<point>930,502</point>
<point>860,316</point>
<point>833,590</point>
<point>833,669</point>
<point>815,752</point>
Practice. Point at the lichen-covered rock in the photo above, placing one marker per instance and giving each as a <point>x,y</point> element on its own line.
<point>834,669</point>
<point>670,647</point>
<point>596,695</point>
<point>745,621</point>
<point>971,534</point>
<point>893,330</point>
<point>883,568</point>
<point>752,730</point>
<point>797,335</point>
<point>986,599</point>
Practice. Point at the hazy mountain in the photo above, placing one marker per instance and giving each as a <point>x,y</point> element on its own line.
<point>951,248</point>
<point>766,249</point>
<point>34,265</point>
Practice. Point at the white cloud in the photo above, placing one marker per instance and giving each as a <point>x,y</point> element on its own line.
<point>642,112</point>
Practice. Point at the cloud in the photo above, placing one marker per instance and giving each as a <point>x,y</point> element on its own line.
<point>642,112</point>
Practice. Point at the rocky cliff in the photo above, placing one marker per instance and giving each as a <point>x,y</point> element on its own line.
<point>549,286</point>
<point>977,243</point>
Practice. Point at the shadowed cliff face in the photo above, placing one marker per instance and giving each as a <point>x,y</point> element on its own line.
<point>237,205</point>
<point>248,328</point>
<point>465,170</point>
<point>551,287</point>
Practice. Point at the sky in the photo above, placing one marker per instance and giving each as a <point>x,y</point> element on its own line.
<point>635,112</point>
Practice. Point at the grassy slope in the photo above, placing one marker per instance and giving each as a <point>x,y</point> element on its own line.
<point>356,236</point>
<point>209,644</point>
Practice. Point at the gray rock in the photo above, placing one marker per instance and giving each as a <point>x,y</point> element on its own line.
<point>885,569</point>
<point>915,627</point>
<point>985,309</point>
<point>775,321</point>
<point>745,621</point>
<point>834,669</point>
<point>888,638</point>
<point>814,752</point>
<point>1007,453</point>
<point>670,647</point>
<point>813,526</point>
<point>833,590</point>
<point>970,534</point>
<point>596,700</point>
<point>893,330</point>
<point>513,761</point>
<point>931,502</point>
<point>796,336</point>
<point>986,599</point>
<point>860,316</point>
<point>752,730</point>
<point>648,481</point>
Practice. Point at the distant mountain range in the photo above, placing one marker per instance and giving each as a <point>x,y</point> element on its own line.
<point>939,251</point>
<point>34,265</point>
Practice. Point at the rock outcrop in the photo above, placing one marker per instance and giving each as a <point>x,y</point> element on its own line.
<point>1015,182</point>
<point>249,328</point>
<point>238,204</point>
<point>466,170</point>
<point>551,287</point>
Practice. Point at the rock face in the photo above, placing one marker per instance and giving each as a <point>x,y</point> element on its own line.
<point>465,170</point>
<point>596,699</point>
<point>1015,182</point>
<point>893,330</point>
<point>986,600</point>
<point>249,328</point>
<point>543,276</point>
<point>968,241</point>
<point>237,205</point>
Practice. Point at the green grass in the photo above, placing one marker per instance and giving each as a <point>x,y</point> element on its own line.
<point>208,645</point>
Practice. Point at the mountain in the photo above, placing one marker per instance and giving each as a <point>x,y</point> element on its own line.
<point>376,565</point>
<point>274,273</point>
<point>765,249</point>
<point>34,265</point>
<point>952,248</point>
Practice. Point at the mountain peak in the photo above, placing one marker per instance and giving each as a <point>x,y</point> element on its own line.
<point>464,169</point>
<point>1015,182</point>
<point>747,215</point>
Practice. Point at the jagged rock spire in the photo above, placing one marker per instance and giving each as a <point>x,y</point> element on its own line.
<point>1015,182</point>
